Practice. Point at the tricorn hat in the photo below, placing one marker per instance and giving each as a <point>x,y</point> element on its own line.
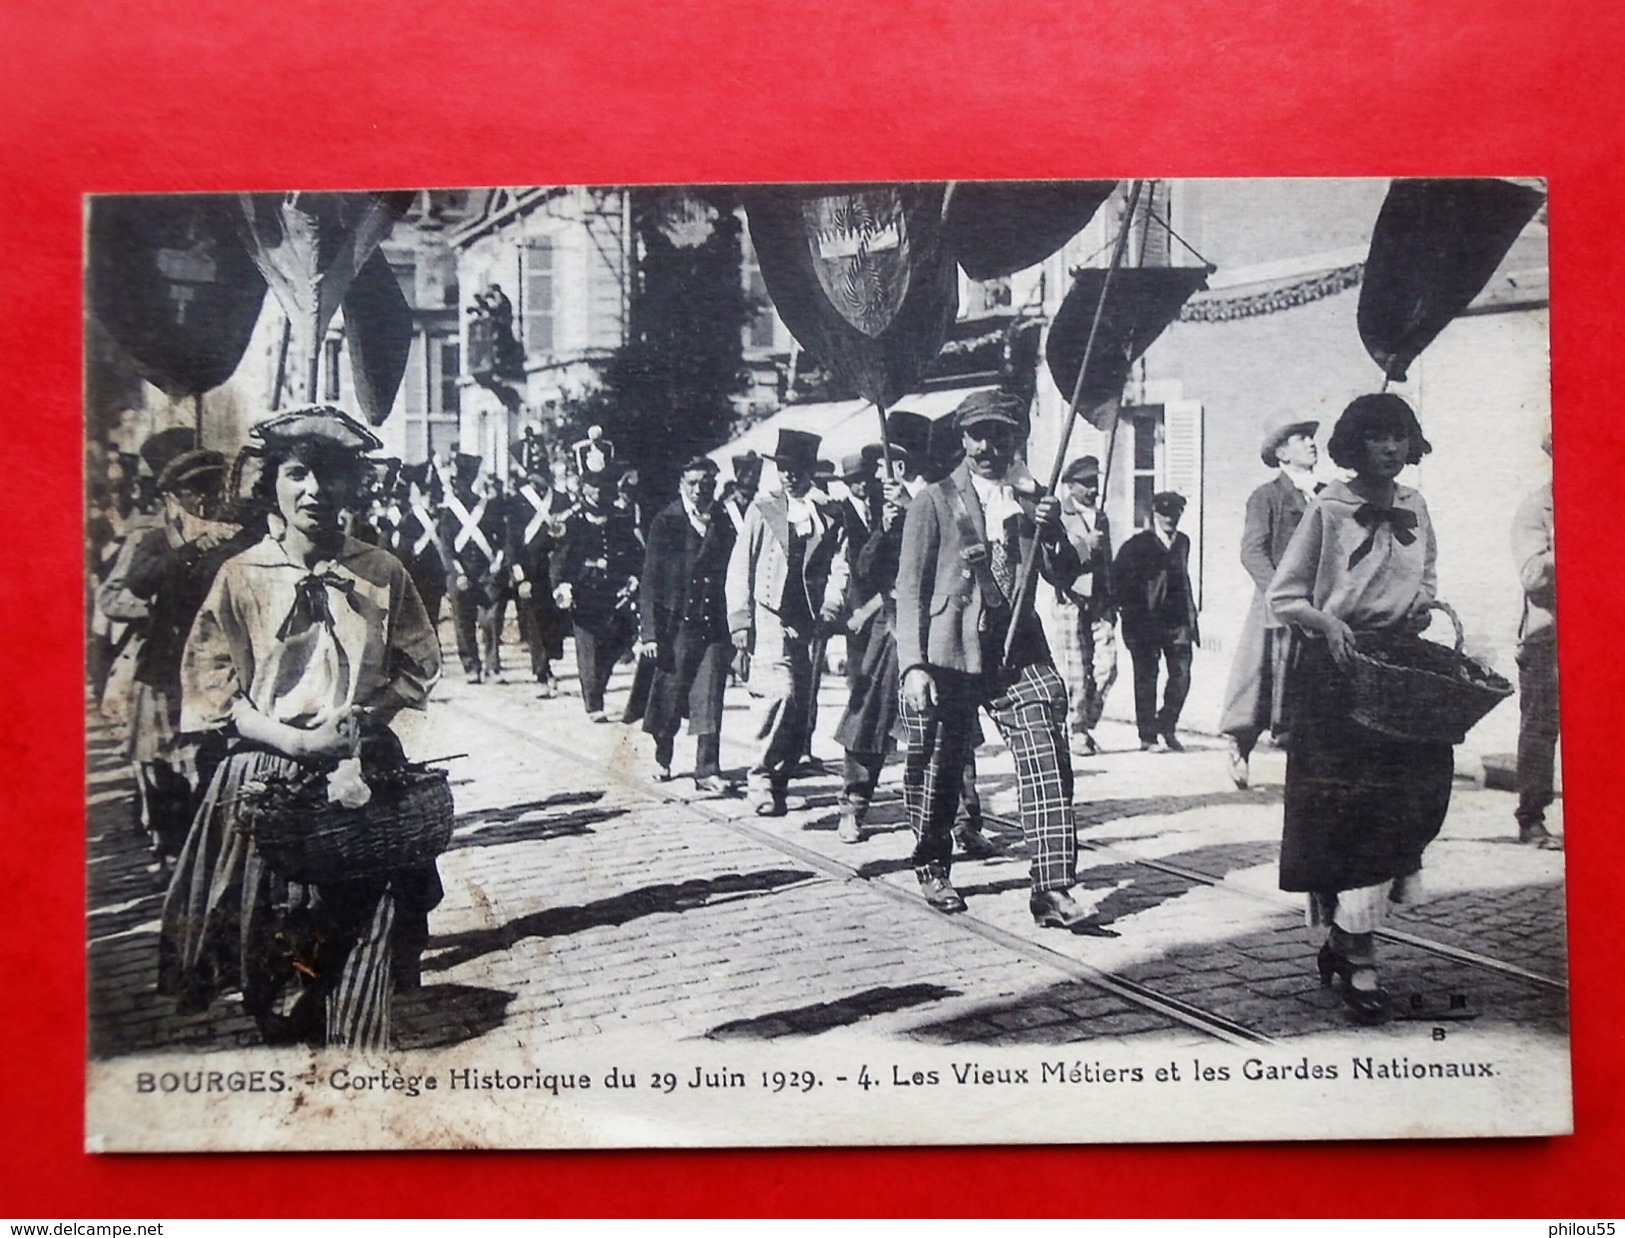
<point>321,422</point>
<point>1279,433</point>
<point>747,466</point>
<point>797,449</point>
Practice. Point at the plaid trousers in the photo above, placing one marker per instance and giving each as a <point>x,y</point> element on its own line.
<point>1028,706</point>
<point>1088,660</point>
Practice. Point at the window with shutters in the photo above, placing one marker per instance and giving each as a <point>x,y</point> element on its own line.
<point>537,294</point>
<point>606,315</point>
<point>1165,451</point>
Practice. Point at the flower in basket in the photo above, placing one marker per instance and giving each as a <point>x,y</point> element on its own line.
<point>345,785</point>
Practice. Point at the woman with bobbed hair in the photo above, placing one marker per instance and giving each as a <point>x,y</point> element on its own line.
<point>1360,807</point>
<point>308,644</point>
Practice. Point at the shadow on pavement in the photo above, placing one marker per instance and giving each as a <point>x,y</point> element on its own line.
<point>458,948</point>
<point>441,1015</point>
<point>533,829</point>
<point>823,1016</point>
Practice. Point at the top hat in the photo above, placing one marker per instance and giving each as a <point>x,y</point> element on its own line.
<point>1168,502</point>
<point>991,405</point>
<point>320,422</point>
<point>1279,433</point>
<point>466,468</point>
<point>1084,468</point>
<point>797,450</point>
<point>192,468</point>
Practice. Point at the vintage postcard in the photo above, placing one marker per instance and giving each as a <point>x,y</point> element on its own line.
<point>977,662</point>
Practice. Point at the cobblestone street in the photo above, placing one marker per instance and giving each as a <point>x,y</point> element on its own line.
<point>582,896</point>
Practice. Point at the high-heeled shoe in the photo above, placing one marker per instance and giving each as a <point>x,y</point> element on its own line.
<point>1367,1005</point>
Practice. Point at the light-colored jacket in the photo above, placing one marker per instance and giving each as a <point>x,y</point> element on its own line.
<point>758,569</point>
<point>1532,551</point>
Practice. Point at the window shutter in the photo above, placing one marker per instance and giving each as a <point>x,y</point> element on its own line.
<point>1182,471</point>
<point>537,295</point>
<point>605,327</point>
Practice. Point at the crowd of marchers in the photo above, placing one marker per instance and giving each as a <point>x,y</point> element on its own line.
<point>269,615</point>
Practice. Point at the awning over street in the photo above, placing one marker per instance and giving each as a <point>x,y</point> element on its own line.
<point>845,426</point>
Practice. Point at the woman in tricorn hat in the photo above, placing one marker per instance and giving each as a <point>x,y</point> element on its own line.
<point>308,644</point>
<point>1360,807</point>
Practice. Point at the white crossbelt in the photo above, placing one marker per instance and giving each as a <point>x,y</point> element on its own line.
<point>426,523</point>
<point>469,523</point>
<point>537,521</point>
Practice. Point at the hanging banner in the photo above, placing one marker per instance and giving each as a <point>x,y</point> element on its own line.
<point>1141,303</point>
<point>378,337</point>
<point>1435,246</point>
<point>997,228</point>
<point>862,277</point>
<point>310,247</point>
<point>172,283</point>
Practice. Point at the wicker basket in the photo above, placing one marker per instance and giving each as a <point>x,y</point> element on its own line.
<point>1405,687</point>
<point>302,835</point>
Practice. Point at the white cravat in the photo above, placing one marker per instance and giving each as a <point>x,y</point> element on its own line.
<point>998,501</point>
<point>1303,480</point>
<point>802,514</point>
<point>701,522</point>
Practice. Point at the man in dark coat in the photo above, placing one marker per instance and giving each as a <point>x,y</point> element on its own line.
<point>964,539</point>
<point>1151,582</point>
<point>683,623</point>
<point>1253,698</point>
<point>597,573</point>
<point>535,523</point>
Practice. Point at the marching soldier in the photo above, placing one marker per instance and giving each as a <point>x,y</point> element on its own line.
<point>472,537</point>
<point>597,572</point>
<point>536,515</point>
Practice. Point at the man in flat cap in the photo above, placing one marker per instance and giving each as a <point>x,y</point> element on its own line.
<point>1253,699</point>
<point>683,623</point>
<point>1087,617</point>
<point>171,569</point>
<point>786,580</point>
<point>964,539</point>
<point>1151,582</point>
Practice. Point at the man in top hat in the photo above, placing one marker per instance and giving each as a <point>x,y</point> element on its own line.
<point>1151,583</point>
<point>596,572</point>
<point>472,538</point>
<point>964,540</point>
<point>1535,557</point>
<point>683,623</point>
<point>1086,616</point>
<point>1253,698</point>
<point>740,493</point>
<point>786,579</point>
<point>535,524</point>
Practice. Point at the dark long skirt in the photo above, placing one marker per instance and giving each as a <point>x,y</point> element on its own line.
<point>313,964</point>
<point>1360,807</point>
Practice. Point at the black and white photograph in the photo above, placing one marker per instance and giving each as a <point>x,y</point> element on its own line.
<point>735,665</point>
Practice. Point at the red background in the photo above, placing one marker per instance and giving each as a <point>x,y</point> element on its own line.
<point>214,95</point>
